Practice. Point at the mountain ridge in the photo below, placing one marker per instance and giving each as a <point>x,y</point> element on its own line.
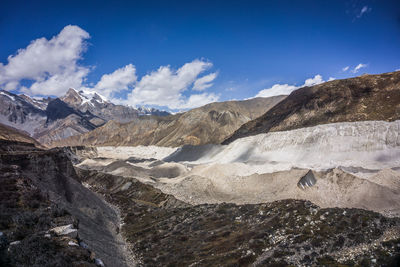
<point>367,97</point>
<point>207,124</point>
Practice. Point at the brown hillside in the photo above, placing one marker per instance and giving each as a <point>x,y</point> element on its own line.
<point>211,123</point>
<point>368,97</point>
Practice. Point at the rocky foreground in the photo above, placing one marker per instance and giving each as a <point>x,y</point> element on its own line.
<point>164,231</point>
<point>52,214</point>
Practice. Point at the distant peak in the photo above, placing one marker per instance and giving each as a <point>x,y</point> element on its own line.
<point>72,90</point>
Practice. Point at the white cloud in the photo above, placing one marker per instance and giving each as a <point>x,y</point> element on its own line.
<point>199,100</point>
<point>165,86</point>
<point>313,81</point>
<point>358,67</point>
<point>57,84</point>
<point>51,67</point>
<point>286,89</point>
<point>204,82</point>
<point>50,64</point>
<point>277,89</point>
<point>364,10</point>
<point>121,79</point>
<point>331,79</point>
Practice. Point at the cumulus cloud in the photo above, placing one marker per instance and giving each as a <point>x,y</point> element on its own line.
<point>165,87</point>
<point>277,89</point>
<point>49,64</point>
<point>313,81</point>
<point>346,68</point>
<point>204,82</point>
<point>50,67</point>
<point>121,79</point>
<point>198,100</point>
<point>286,89</point>
<point>358,67</point>
<point>58,83</point>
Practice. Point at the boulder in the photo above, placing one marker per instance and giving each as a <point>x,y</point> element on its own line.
<point>65,230</point>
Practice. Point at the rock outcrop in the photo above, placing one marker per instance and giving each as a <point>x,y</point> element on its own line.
<point>45,207</point>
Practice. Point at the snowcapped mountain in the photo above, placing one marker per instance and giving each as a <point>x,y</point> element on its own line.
<point>152,111</point>
<point>100,106</point>
<point>77,112</point>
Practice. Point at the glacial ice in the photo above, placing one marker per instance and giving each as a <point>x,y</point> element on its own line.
<point>366,144</point>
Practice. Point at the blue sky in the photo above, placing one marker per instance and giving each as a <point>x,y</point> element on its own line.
<point>243,47</point>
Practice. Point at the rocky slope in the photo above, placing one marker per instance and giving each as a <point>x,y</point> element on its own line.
<point>39,192</point>
<point>52,214</point>
<point>166,232</point>
<point>11,134</point>
<point>20,113</point>
<point>211,123</point>
<point>368,97</point>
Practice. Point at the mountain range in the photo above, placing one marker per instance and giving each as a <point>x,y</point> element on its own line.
<point>211,123</point>
<point>77,112</point>
<point>367,97</point>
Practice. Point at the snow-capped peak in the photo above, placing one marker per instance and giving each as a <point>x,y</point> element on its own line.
<point>83,97</point>
<point>93,95</point>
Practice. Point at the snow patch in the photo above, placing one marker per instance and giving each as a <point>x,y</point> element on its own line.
<point>9,96</point>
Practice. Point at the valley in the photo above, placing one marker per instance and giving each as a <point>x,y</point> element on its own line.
<point>200,133</point>
<point>280,181</point>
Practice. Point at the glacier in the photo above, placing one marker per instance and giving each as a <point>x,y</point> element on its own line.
<point>365,144</point>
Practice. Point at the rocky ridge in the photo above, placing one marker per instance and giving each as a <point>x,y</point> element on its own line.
<point>367,97</point>
<point>211,123</point>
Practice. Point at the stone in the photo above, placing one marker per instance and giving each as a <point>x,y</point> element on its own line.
<point>15,243</point>
<point>73,244</point>
<point>83,245</point>
<point>99,262</point>
<point>65,230</point>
